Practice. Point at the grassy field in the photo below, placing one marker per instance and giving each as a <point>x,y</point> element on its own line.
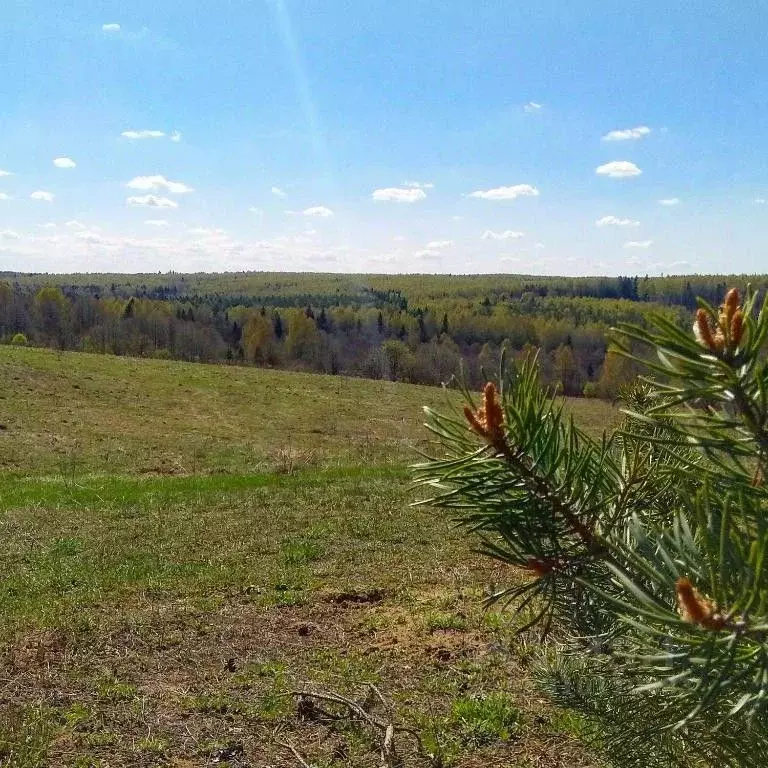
<point>185,546</point>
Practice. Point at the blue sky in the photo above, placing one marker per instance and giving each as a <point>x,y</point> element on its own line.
<point>384,136</point>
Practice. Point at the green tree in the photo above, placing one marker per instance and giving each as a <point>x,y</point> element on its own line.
<point>567,370</point>
<point>259,340</point>
<point>52,313</point>
<point>302,342</point>
<point>398,359</point>
<point>6,308</point>
<point>642,557</point>
<point>617,371</point>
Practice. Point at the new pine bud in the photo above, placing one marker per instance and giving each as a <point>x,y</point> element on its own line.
<point>695,609</point>
<point>703,332</point>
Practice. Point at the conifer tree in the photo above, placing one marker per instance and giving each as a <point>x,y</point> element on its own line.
<point>641,557</point>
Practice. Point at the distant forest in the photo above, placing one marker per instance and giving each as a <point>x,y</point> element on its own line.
<point>415,328</point>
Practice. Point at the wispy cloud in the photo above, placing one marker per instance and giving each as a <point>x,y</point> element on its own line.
<point>206,231</point>
<point>418,184</point>
<point>277,192</point>
<point>669,201</point>
<point>175,137</point>
<point>507,234</point>
<point>151,201</point>
<point>75,225</point>
<point>618,169</point>
<point>6,173</point>
<point>627,134</point>
<point>92,238</point>
<point>5,196</point>
<point>40,194</point>
<point>614,221</point>
<point>319,211</point>
<point>638,244</point>
<point>436,245</point>
<point>399,194</point>
<point>134,135</point>
<point>532,106</point>
<point>9,234</point>
<point>64,162</point>
<point>760,201</point>
<point>110,28</point>
<point>156,222</point>
<point>158,182</point>
<point>506,193</point>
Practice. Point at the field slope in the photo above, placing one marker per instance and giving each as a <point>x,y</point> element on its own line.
<point>184,545</point>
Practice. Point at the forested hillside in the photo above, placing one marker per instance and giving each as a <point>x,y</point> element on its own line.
<point>416,328</point>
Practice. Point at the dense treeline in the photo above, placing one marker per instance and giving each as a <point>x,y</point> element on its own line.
<point>418,328</point>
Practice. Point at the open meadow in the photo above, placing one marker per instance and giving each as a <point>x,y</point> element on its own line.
<point>184,546</point>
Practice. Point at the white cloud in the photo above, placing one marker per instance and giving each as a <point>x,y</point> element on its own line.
<point>205,231</point>
<point>618,169</point>
<point>75,225</point>
<point>506,193</point>
<point>64,162</point>
<point>143,134</point>
<point>41,195</point>
<point>277,192</point>
<point>9,234</point>
<point>507,234</point>
<point>509,259</point>
<point>176,137</point>
<point>670,201</point>
<point>318,210</point>
<point>151,201</point>
<point>540,245</point>
<point>418,184</point>
<point>156,222</point>
<point>146,183</point>
<point>111,28</point>
<point>4,196</point>
<point>438,244</point>
<point>676,264</point>
<point>256,210</point>
<point>426,254</point>
<point>638,244</point>
<point>614,221</point>
<point>399,194</point>
<point>532,106</point>
<point>627,134</point>
<point>6,173</point>
<point>93,238</point>
<point>760,201</point>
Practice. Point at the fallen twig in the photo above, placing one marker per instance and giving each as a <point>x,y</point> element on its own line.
<point>287,745</point>
<point>388,754</point>
<point>376,722</point>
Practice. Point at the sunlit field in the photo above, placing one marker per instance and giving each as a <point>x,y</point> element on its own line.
<point>185,545</point>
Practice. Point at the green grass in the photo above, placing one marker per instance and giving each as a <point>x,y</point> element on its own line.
<point>70,414</point>
<point>183,545</point>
